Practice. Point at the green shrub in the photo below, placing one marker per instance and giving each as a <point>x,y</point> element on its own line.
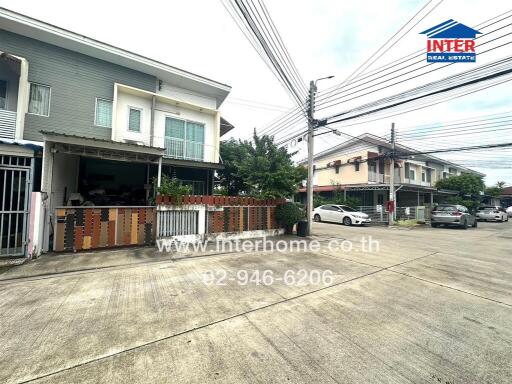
<point>173,187</point>
<point>288,214</point>
<point>336,199</point>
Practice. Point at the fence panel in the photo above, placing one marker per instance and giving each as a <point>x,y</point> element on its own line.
<point>377,214</point>
<point>177,223</point>
<point>85,228</point>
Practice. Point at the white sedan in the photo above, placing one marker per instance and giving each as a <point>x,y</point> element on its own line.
<point>340,214</point>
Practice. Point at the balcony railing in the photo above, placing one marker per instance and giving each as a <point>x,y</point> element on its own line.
<point>375,177</point>
<point>189,150</point>
<point>7,123</point>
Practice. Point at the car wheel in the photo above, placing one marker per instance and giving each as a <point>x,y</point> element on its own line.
<point>464,225</point>
<point>347,220</point>
<point>317,218</point>
<point>475,224</point>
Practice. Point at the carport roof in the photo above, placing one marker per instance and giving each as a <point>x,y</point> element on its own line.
<point>94,147</point>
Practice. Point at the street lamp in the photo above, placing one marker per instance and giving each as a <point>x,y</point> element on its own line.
<point>311,128</point>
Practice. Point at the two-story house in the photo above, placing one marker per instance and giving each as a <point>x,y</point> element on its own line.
<point>360,169</point>
<point>89,123</point>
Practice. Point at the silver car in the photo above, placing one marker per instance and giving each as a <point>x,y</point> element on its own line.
<point>452,215</point>
<point>492,214</point>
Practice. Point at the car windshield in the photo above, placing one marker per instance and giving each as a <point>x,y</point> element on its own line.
<point>347,209</point>
<point>446,208</point>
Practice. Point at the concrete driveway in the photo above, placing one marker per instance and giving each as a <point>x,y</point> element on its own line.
<point>432,306</point>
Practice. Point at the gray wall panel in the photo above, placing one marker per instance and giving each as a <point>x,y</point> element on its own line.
<point>75,80</point>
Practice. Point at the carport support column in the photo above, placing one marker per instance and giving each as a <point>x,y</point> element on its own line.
<point>159,177</point>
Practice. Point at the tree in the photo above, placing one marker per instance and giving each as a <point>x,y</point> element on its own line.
<point>233,153</point>
<point>466,184</point>
<point>493,191</point>
<point>259,168</point>
<point>496,190</point>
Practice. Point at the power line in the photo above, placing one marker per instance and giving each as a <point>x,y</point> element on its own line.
<point>384,45</point>
<point>488,72</point>
<point>363,67</point>
<point>288,66</point>
<point>387,86</point>
<point>460,149</point>
<point>385,67</point>
<point>410,108</point>
<point>252,21</point>
<point>457,130</point>
<point>488,117</point>
<point>289,123</point>
<point>441,67</point>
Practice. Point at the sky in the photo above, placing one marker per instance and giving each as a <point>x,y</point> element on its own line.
<point>324,37</point>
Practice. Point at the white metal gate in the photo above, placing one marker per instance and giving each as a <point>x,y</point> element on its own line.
<point>176,223</point>
<point>14,204</point>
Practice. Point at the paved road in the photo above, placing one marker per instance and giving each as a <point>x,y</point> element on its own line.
<point>432,306</point>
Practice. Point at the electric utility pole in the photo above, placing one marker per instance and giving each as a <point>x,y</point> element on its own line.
<point>311,127</point>
<point>392,175</point>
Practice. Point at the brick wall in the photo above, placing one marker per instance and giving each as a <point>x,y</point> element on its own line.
<point>234,213</point>
<point>242,218</point>
<point>82,228</point>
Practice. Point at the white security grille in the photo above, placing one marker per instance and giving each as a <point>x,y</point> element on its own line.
<point>14,203</point>
<point>177,223</point>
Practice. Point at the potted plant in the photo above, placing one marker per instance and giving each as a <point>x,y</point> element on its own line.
<point>289,214</point>
<point>172,190</point>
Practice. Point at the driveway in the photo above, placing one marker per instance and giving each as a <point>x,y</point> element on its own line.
<point>431,306</point>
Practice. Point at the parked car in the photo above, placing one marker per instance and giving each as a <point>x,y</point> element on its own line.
<point>452,215</point>
<point>340,214</point>
<point>492,214</point>
<point>509,211</point>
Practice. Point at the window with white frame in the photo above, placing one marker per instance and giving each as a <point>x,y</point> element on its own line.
<point>103,113</point>
<point>39,100</point>
<point>184,139</point>
<point>3,94</point>
<point>134,119</point>
<point>410,173</point>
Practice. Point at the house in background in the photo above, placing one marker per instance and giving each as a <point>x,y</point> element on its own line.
<point>96,124</point>
<point>506,197</point>
<point>358,168</point>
